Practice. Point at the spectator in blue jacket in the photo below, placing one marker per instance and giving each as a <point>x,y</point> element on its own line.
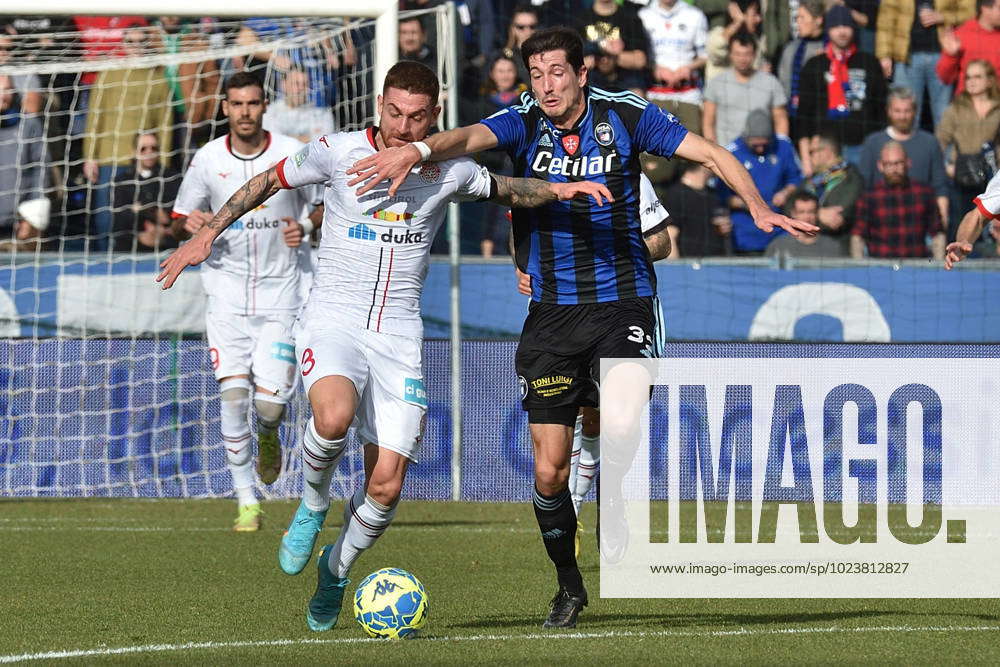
<point>775,169</point>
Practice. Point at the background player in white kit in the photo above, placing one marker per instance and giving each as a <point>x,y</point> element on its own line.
<point>585,456</point>
<point>987,209</point>
<point>252,282</point>
<point>360,338</point>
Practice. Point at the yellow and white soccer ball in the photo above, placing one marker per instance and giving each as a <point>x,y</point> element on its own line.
<point>390,604</point>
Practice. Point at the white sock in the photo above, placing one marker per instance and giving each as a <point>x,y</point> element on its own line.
<point>319,461</point>
<point>574,463</point>
<point>235,427</point>
<point>364,522</point>
<point>589,460</point>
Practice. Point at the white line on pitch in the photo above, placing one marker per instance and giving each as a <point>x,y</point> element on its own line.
<point>741,632</point>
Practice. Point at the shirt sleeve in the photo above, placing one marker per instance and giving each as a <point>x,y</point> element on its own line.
<point>988,203</point>
<point>508,126</point>
<point>193,193</point>
<point>658,132</point>
<point>313,163</point>
<point>778,97</point>
<point>472,181</point>
<point>651,212</point>
<point>860,227</point>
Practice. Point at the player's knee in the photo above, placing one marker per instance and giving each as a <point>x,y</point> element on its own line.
<point>269,409</point>
<point>619,429</point>
<point>331,424</point>
<point>385,491</point>
<point>550,478</point>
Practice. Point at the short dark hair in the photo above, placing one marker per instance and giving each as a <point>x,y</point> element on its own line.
<point>743,38</point>
<point>242,80</point>
<point>411,19</point>
<point>983,3</point>
<point>148,213</point>
<point>555,39</point>
<point>413,77</point>
<point>797,196</point>
<point>831,139</point>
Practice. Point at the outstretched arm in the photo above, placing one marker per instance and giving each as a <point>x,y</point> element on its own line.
<point>728,168</point>
<point>968,232</point>
<point>532,192</point>
<point>393,164</point>
<point>252,194</point>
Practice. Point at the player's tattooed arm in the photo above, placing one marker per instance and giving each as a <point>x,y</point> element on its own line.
<point>251,194</point>
<point>532,192</point>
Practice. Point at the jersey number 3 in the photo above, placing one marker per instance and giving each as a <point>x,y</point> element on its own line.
<point>308,362</point>
<point>637,334</point>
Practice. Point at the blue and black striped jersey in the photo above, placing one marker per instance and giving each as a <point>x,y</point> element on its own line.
<point>576,251</point>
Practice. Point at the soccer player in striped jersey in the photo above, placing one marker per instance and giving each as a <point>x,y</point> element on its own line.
<point>360,338</point>
<point>592,281</point>
<point>986,210</point>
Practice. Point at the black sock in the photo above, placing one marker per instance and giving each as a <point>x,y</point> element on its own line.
<point>557,521</point>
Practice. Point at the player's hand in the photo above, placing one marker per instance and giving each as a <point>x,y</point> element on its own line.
<point>768,220</point>
<point>566,191</point>
<point>192,253</point>
<point>391,164</point>
<point>293,232</point>
<point>523,282</point>
<point>196,220</point>
<point>955,253</point>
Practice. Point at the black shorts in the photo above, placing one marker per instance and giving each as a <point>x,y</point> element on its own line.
<point>559,357</point>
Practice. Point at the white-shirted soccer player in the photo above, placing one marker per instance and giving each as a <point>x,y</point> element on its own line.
<point>987,209</point>
<point>585,457</point>
<point>252,280</point>
<point>360,338</point>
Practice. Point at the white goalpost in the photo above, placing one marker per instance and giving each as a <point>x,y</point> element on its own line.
<point>107,389</point>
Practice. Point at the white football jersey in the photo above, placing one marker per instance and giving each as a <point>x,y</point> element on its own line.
<point>251,270</point>
<point>676,37</point>
<point>373,255</point>
<point>988,202</point>
<point>651,211</point>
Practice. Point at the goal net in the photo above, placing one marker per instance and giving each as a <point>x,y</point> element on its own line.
<point>107,388</point>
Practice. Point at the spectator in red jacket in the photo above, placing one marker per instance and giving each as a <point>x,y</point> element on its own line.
<point>977,38</point>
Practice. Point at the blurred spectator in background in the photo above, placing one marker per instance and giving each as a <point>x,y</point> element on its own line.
<point>147,182</point>
<point>677,34</point>
<point>151,230</point>
<point>968,134</point>
<point>976,39</point>
<point>864,14</point>
<point>926,164</point>
<point>294,114</point>
<point>836,183</point>
<point>906,40</point>
<point>804,206</point>
<point>123,102</point>
<point>809,27</point>
<point>778,19</point>
<point>775,170</point>
<point>698,224</point>
<point>895,217</point>
<point>716,11</point>
<point>736,91</point>
<point>28,86</point>
<point>524,22</point>
<point>29,232</point>
<point>842,89</point>
<point>413,43</point>
<point>744,17</point>
<point>478,29</point>
<point>617,32</point>
<point>500,91</point>
<point>22,156</point>
<point>194,87</point>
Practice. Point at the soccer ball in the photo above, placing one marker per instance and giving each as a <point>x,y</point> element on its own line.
<point>390,604</point>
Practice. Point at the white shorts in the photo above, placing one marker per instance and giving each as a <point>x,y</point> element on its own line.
<point>387,373</point>
<point>260,346</point>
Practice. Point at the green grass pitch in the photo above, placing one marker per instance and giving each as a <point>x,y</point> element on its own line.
<point>165,582</point>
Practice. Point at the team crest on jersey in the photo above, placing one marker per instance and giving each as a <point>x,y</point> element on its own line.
<point>545,141</point>
<point>430,172</point>
<point>522,383</point>
<point>604,134</point>
<point>571,143</point>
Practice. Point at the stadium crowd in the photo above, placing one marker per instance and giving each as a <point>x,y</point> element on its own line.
<point>878,120</point>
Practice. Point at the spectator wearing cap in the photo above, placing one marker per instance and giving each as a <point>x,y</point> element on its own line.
<point>22,156</point>
<point>895,217</point>
<point>32,221</point>
<point>926,162</point>
<point>775,170</point>
<point>842,89</point>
